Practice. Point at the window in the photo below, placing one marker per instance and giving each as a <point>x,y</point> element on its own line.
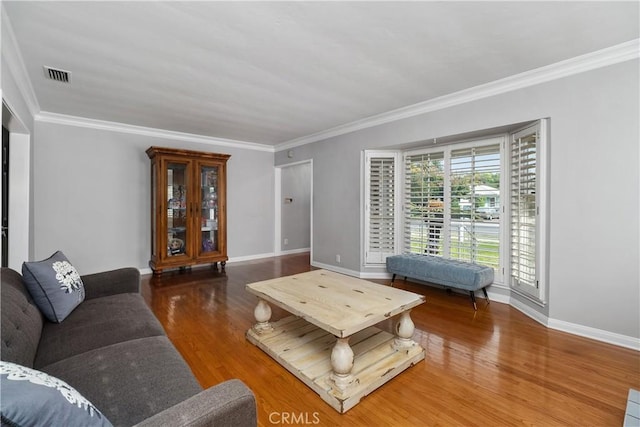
<point>477,201</point>
<point>424,203</point>
<point>474,232</point>
<point>452,205</point>
<point>525,179</point>
<point>380,196</point>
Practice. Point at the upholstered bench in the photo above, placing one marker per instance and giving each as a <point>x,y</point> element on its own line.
<point>442,271</point>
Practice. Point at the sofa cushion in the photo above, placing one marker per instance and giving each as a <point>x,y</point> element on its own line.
<point>97,323</point>
<point>55,285</point>
<point>131,380</point>
<point>20,322</point>
<point>31,397</point>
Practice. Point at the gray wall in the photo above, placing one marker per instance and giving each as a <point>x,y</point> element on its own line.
<point>296,216</point>
<point>92,196</point>
<point>593,271</point>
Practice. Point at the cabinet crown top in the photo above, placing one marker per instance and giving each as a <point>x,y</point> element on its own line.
<point>154,151</point>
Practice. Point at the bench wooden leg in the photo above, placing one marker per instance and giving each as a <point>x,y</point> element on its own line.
<point>392,279</point>
<point>473,300</point>
<point>484,290</point>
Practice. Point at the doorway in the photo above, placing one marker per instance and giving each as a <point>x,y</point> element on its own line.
<point>15,212</point>
<point>294,208</point>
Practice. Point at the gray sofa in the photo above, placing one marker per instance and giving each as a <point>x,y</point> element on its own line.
<point>115,353</point>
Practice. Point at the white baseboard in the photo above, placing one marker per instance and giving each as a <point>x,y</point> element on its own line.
<point>595,334</point>
<point>576,329</point>
<point>379,276</point>
<point>335,269</point>
<point>144,271</point>
<point>251,257</point>
<point>293,251</point>
<point>528,311</point>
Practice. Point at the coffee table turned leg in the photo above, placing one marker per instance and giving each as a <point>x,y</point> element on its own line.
<point>262,313</point>
<point>404,331</point>
<point>341,364</point>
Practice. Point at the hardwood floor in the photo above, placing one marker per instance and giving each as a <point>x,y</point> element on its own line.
<point>493,367</point>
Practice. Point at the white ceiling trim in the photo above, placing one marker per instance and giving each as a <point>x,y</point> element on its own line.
<point>619,53</point>
<point>63,119</point>
<point>15,64</point>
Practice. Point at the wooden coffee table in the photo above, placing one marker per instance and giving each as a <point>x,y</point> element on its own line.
<point>330,342</point>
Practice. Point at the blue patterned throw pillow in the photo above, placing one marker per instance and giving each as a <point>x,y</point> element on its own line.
<point>54,285</point>
<point>31,397</point>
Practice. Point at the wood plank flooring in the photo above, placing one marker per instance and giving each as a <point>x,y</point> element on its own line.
<point>493,367</point>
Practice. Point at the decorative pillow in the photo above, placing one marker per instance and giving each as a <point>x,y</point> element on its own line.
<point>31,397</point>
<point>54,285</point>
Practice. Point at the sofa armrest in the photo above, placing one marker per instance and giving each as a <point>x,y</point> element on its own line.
<point>230,403</point>
<point>122,280</point>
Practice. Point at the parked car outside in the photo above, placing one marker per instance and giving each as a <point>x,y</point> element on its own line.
<point>488,212</point>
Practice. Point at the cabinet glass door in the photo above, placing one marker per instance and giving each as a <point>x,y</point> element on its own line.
<point>154,218</point>
<point>209,240</point>
<point>177,219</point>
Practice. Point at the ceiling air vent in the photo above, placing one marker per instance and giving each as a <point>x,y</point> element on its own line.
<point>57,75</point>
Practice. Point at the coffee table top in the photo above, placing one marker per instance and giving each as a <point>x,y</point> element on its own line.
<point>339,304</point>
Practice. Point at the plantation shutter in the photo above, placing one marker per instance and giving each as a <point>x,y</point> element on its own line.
<point>380,207</point>
<point>424,203</point>
<point>523,172</point>
<point>474,230</point>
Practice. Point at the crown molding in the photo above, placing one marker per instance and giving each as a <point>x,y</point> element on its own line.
<point>69,120</point>
<point>609,56</point>
<point>15,63</point>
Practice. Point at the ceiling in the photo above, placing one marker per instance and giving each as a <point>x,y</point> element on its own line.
<point>273,72</point>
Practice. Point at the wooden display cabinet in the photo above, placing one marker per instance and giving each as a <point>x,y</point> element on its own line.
<point>188,208</point>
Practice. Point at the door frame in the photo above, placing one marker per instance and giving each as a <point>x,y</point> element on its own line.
<point>278,206</point>
<point>4,195</point>
<point>20,215</point>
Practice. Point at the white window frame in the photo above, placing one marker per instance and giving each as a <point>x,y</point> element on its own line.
<point>377,258</point>
<point>536,293</point>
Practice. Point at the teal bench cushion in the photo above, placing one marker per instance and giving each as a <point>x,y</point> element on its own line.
<point>441,271</point>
